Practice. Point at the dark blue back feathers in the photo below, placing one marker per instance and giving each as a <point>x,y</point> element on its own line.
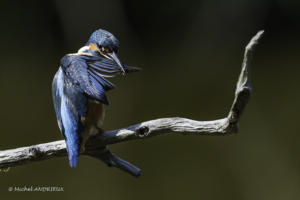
<point>69,106</point>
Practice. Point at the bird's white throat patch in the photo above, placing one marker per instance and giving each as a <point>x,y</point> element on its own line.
<point>83,50</point>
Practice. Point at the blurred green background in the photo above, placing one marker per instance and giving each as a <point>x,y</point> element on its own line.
<point>190,52</point>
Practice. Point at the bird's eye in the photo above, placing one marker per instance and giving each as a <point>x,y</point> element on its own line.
<point>105,50</point>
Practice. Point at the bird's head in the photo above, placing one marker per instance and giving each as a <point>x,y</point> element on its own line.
<point>106,44</point>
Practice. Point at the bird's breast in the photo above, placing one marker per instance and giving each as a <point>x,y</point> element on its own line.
<point>95,115</point>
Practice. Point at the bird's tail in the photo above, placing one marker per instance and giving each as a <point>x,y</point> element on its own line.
<point>126,166</point>
<point>114,161</point>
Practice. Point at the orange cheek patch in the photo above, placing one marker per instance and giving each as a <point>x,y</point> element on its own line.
<point>93,47</point>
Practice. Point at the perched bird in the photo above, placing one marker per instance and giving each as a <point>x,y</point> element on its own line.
<point>79,89</point>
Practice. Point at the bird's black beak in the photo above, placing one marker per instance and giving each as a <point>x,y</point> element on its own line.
<point>115,58</point>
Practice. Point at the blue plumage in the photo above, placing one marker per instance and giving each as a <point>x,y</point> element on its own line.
<point>104,38</point>
<point>69,104</point>
<point>81,75</point>
<point>80,80</point>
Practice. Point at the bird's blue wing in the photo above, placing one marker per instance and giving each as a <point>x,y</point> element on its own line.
<point>73,107</point>
<point>56,95</point>
<point>70,105</point>
<point>103,66</point>
<point>106,67</point>
<point>80,70</point>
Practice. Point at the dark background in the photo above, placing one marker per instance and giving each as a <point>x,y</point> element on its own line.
<point>190,52</point>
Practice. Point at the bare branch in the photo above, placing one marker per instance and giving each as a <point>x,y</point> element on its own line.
<point>96,145</point>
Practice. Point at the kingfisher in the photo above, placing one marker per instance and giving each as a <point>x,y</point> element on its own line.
<point>79,89</point>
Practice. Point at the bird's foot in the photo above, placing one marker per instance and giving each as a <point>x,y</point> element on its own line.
<point>99,130</point>
<point>82,148</point>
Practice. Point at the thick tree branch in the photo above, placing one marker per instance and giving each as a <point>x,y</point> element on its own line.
<point>97,143</point>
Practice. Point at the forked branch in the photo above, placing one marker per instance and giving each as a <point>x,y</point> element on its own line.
<point>96,145</point>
